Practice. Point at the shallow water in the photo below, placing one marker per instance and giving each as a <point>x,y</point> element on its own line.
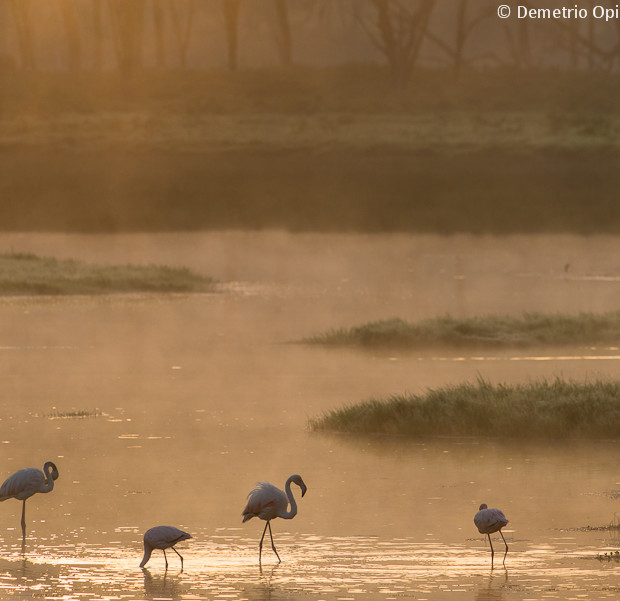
<point>315,567</point>
<point>201,396</point>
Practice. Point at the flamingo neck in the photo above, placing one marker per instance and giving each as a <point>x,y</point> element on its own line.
<point>291,499</point>
<point>49,481</point>
<point>147,555</point>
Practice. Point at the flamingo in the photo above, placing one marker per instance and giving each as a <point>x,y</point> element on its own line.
<point>267,502</point>
<point>26,482</point>
<point>488,521</point>
<point>162,537</point>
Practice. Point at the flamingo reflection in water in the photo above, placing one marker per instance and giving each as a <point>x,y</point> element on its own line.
<point>488,521</point>
<point>267,502</point>
<point>164,586</point>
<point>162,537</point>
<point>27,482</point>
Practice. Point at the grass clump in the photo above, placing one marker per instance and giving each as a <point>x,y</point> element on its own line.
<point>557,409</point>
<point>530,329</point>
<point>28,274</point>
<point>75,413</point>
<point>612,555</point>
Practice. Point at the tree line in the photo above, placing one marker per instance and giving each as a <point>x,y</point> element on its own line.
<point>128,35</point>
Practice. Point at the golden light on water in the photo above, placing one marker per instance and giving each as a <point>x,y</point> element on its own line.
<point>321,567</point>
<point>322,164</point>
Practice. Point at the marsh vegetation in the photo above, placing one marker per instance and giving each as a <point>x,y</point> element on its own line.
<point>74,414</point>
<point>491,331</point>
<point>540,410</point>
<point>29,274</point>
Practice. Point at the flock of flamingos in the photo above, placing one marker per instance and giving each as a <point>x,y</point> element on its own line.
<point>266,502</point>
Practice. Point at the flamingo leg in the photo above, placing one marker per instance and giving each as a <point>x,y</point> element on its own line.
<point>492,551</point>
<point>506,553</point>
<point>24,519</point>
<point>179,556</point>
<point>165,558</point>
<point>272,545</point>
<point>260,545</point>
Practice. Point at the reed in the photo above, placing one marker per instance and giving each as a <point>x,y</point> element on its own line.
<point>543,409</point>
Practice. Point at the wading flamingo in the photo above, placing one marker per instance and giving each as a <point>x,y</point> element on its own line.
<point>488,521</point>
<point>25,483</point>
<point>267,501</point>
<point>162,537</point>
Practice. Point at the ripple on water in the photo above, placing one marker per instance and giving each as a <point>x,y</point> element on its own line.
<point>313,568</point>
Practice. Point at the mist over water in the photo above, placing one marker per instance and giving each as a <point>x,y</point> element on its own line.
<point>200,396</point>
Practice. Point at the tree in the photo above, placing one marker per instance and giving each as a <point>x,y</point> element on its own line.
<point>283,32</point>
<point>231,17</point>
<point>21,13</point>
<point>97,35</point>
<point>128,24</point>
<point>397,29</point>
<point>159,24</point>
<point>465,24</point>
<point>182,26</point>
<point>519,40</point>
<point>72,33</point>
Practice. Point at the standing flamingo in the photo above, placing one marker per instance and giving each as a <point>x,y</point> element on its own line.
<point>162,537</point>
<point>267,501</point>
<point>488,521</point>
<point>25,483</point>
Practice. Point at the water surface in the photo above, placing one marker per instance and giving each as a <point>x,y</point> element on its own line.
<point>198,397</point>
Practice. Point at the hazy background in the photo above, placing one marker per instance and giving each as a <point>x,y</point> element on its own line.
<point>340,115</point>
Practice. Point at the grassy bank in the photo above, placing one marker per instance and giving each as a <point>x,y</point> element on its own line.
<point>349,107</point>
<point>362,89</point>
<point>557,409</point>
<point>28,274</point>
<point>530,329</point>
<point>447,133</point>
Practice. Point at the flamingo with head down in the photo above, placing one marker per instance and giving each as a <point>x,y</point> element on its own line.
<point>162,537</point>
<point>488,521</point>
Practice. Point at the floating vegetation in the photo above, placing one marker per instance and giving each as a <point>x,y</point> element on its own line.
<point>28,274</point>
<point>557,409</point>
<point>530,329</point>
<point>79,413</point>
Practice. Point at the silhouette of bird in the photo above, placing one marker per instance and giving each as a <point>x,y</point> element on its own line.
<point>162,537</point>
<point>25,483</point>
<point>488,521</point>
<point>267,502</point>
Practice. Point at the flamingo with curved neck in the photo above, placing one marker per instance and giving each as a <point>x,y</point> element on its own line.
<point>27,482</point>
<point>267,502</point>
